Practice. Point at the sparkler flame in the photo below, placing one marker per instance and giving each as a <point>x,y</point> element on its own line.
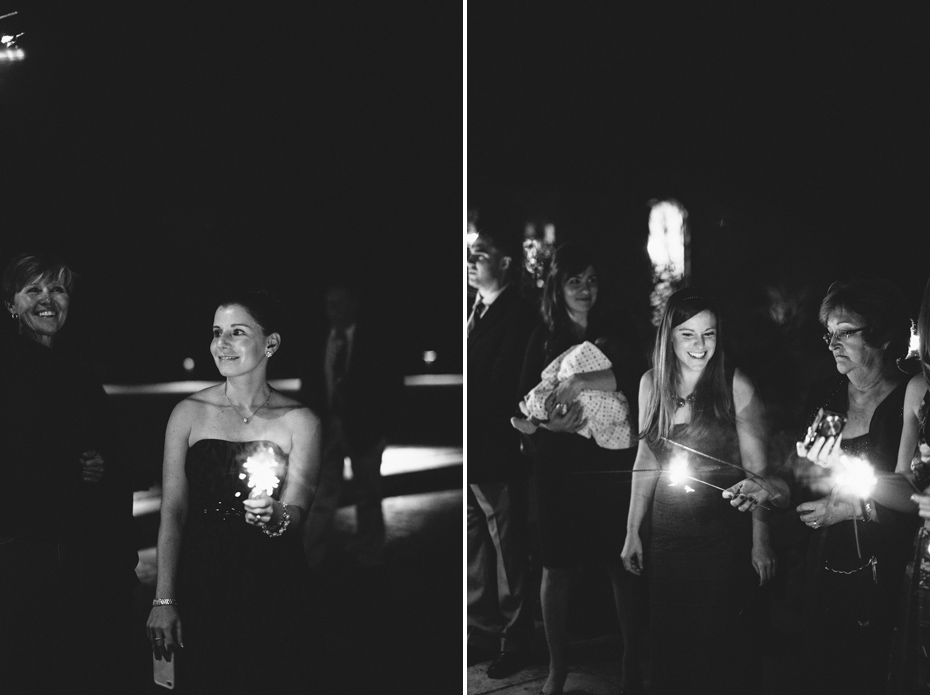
<point>261,472</point>
<point>678,470</point>
<point>856,476</point>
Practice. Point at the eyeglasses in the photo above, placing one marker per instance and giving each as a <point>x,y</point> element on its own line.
<point>841,335</point>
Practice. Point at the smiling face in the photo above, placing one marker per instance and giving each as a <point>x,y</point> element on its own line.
<point>42,306</point>
<point>580,292</point>
<point>695,341</point>
<point>239,343</point>
<point>852,354</point>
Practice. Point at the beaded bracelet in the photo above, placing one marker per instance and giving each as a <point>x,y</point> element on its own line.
<point>282,525</point>
<point>164,602</point>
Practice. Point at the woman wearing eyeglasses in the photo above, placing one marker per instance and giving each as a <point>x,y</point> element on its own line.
<point>857,548</point>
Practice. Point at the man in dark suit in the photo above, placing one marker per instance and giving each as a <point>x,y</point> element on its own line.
<point>354,385</point>
<point>498,329</point>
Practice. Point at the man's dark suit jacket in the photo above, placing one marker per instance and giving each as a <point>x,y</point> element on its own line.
<point>373,384</point>
<point>496,348</point>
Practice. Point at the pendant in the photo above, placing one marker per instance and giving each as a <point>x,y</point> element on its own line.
<point>245,420</point>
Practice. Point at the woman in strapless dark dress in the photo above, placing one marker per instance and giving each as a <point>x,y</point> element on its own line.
<point>231,600</point>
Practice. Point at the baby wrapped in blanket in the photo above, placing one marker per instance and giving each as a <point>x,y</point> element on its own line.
<point>607,412</point>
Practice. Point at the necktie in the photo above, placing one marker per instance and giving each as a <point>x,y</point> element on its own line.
<point>476,313</point>
<point>339,370</point>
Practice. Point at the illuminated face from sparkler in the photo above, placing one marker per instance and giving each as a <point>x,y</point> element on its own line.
<point>850,351</point>
<point>239,343</point>
<point>487,266</point>
<point>580,292</point>
<point>42,305</point>
<point>695,341</point>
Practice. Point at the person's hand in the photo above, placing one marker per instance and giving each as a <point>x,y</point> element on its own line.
<point>824,451</point>
<point>923,504</point>
<point>763,561</point>
<point>752,492</point>
<point>632,553</point>
<point>567,391</point>
<point>822,512</point>
<point>259,511</point>
<point>92,466</point>
<point>746,495</point>
<point>164,630</point>
<point>562,419</point>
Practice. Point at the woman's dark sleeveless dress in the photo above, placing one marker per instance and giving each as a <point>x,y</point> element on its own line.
<point>243,596</point>
<point>702,586</point>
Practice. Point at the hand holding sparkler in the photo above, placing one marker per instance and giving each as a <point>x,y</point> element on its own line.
<point>754,491</point>
<point>261,475</point>
<point>853,481</point>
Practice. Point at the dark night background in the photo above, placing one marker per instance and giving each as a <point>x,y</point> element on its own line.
<point>795,138</point>
<point>167,149</point>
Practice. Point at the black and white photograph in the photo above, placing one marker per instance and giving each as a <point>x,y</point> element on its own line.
<point>232,348</point>
<point>697,318</point>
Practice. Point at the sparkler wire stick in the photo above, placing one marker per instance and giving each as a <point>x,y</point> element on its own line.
<point>749,474</point>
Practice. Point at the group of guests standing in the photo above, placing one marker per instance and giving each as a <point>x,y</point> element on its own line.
<point>682,517</point>
<point>239,532</point>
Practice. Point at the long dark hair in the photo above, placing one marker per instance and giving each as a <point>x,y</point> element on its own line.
<point>713,399</point>
<point>568,260</point>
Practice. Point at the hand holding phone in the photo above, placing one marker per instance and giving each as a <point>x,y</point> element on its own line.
<point>821,443</point>
<point>164,671</point>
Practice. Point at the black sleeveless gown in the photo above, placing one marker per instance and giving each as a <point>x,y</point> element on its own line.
<point>243,596</point>
<point>704,627</point>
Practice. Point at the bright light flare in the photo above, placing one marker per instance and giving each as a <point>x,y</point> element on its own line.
<point>261,472</point>
<point>12,54</point>
<point>855,476</point>
<point>913,348</point>
<point>678,470</point>
<point>666,245</point>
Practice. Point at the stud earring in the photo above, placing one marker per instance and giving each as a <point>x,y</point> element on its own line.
<point>268,353</point>
<point>14,316</point>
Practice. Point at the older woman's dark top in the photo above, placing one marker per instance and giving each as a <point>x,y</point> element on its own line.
<point>848,610</point>
<point>582,491</point>
<point>67,557</point>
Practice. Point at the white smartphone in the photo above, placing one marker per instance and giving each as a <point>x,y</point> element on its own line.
<point>164,671</point>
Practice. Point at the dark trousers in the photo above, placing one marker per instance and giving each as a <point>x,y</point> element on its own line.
<point>368,546</point>
<point>498,607</point>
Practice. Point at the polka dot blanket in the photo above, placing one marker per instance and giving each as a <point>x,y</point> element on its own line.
<point>607,412</point>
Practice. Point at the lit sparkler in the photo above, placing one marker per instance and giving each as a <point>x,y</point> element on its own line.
<point>855,476</point>
<point>678,471</point>
<point>261,472</point>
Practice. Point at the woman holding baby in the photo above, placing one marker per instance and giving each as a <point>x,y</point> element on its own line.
<point>581,511</point>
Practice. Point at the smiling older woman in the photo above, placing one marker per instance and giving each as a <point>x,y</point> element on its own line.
<point>857,551</point>
<point>66,555</point>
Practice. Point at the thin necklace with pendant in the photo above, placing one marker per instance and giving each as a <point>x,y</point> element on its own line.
<point>248,419</point>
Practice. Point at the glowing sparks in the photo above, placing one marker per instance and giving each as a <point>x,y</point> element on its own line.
<point>261,472</point>
<point>855,476</point>
<point>678,470</point>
